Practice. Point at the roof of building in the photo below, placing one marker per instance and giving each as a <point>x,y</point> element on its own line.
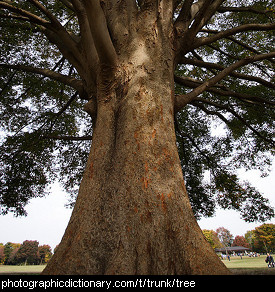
<point>231,248</point>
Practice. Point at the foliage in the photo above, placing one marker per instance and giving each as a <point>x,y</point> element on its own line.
<point>212,237</point>
<point>225,237</point>
<point>9,251</point>
<point>2,254</point>
<point>29,252</point>
<point>240,241</point>
<point>45,253</point>
<point>262,238</point>
<point>229,125</point>
<point>265,237</point>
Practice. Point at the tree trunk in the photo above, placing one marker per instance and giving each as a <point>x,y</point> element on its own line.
<point>132,214</point>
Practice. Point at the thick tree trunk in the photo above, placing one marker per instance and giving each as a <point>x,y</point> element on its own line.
<point>132,214</point>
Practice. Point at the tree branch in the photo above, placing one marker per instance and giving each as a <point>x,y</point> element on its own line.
<point>53,30</point>
<point>46,12</point>
<point>176,4</point>
<point>247,47</point>
<point>242,9</point>
<point>98,26</point>
<point>184,134</point>
<point>210,112</point>
<point>222,91</point>
<point>209,65</point>
<point>26,14</point>
<point>223,34</point>
<point>70,81</point>
<point>185,17</point>
<point>207,10</point>
<point>235,114</point>
<point>86,41</point>
<point>68,4</point>
<point>68,138</point>
<point>240,43</point>
<point>69,102</point>
<point>7,83</point>
<point>201,12</point>
<point>187,98</point>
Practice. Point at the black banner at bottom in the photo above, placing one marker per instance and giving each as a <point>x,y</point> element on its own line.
<point>46,283</point>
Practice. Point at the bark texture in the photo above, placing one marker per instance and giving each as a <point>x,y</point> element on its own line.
<point>132,214</point>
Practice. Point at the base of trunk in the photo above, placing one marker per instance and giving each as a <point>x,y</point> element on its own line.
<point>164,249</point>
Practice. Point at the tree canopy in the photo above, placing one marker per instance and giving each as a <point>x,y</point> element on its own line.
<point>224,95</point>
<point>262,238</point>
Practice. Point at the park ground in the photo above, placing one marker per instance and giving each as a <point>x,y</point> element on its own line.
<point>245,266</point>
<point>249,265</point>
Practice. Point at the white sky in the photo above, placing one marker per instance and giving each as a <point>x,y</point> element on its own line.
<point>47,217</point>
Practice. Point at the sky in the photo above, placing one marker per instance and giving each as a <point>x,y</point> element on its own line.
<point>48,218</point>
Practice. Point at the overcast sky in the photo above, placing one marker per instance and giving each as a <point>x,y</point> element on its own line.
<point>47,217</point>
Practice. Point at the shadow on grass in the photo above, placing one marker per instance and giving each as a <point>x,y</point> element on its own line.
<point>253,271</point>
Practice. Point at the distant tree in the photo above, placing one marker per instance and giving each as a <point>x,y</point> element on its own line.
<point>7,251</point>
<point>249,237</point>
<point>240,241</point>
<point>9,247</point>
<point>2,254</point>
<point>12,260</point>
<point>224,236</point>
<point>264,238</point>
<point>28,252</point>
<point>45,253</point>
<point>212,237</point>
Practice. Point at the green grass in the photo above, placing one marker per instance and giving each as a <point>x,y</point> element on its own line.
<point>249,266</point>
<point>21,270</point>
<point>238,266</point>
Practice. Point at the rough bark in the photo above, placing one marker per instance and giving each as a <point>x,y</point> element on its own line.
<point>132,214</point>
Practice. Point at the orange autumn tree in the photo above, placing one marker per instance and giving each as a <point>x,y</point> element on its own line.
<point>264,237</point>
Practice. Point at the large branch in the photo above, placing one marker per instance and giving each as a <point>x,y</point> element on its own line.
<point>192,17</point>
<point>46,12</point>
<point>68,4</point>
<point>222,91</point>
<point>68,138</point>
<point>98,26</point>
<point>187,98</point>
<point>237,41</point>
<point>207,10</point>
<point>187,14</point>
<point>58,28</point>
<point>209,65</point>
<point>53,30</point>
<point>211,112</point>
<point>242,9</point>
<point>67,80</point>
<point>86,41</point>
<point>176,4</point>
<point>234,113</point>
<point>223,34</point>
<point>25,14</point>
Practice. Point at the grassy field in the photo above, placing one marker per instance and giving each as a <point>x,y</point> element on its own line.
<point>21,270</point>
<point>238,266</point>
<point>249,266</point>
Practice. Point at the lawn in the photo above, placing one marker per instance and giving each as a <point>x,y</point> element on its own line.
<point>238,266</point>
<point>21,270</point>
<point>249,266</point>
